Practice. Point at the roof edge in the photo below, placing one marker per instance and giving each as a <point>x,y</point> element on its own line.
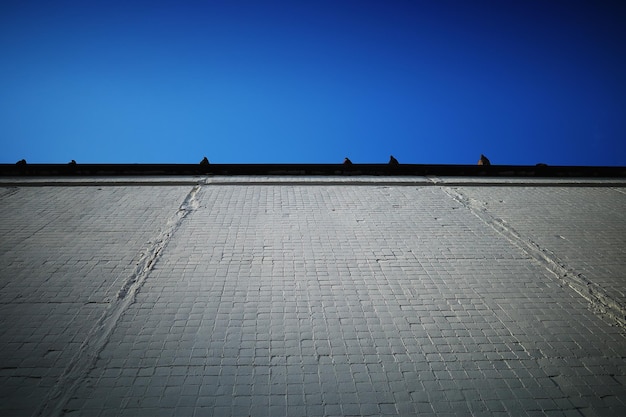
<point>98,170</point>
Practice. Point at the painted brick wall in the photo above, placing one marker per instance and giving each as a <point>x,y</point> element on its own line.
<point>292,299</point>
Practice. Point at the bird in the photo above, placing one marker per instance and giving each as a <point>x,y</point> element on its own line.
<point>72,162</point>
<point>204,161</point>
<point>21,162</point>
<point>393,161</point>
<point>347,161</point>
<point>483,160</point>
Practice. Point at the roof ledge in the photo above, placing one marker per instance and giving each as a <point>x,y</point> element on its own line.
<point>99,170</point>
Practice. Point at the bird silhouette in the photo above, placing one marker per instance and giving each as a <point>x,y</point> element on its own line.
<point>204,162</point>
<point>72,162</point>
<point>483,160</point>
<point>21,162</point>
<point>393,161</point>
<point>347,161</point>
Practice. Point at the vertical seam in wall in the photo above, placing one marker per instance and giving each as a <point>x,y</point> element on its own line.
<point>600,301</point>
<point>98,336</point>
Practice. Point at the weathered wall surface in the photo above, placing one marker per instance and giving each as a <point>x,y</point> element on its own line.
<point>65,252</point>
<point>296,299</point>
<point>580,228</point>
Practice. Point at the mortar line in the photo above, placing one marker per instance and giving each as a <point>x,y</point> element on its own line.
<point>98,336</point>
<point>598,298</point>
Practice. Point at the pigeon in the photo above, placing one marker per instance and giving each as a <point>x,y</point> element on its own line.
<point>483,160</point>
<point>393,161</point>
<point>347,161</point>
<point>204,161</point>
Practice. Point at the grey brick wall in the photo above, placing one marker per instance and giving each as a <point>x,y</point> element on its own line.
<point>65,252</point>
<point>309,299</point>
<point>580,227</point>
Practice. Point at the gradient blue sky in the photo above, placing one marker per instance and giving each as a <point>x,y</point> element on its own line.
<point>313,81</point>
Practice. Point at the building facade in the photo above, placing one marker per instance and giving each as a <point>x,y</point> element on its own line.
<point>312,295</point>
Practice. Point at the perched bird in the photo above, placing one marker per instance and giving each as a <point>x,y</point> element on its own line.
<point>347,161</point>
<point>72,162</point>
<point>204,162</point>
<point>393,161</point>
<point>483,160</point>
<point>21,162</point>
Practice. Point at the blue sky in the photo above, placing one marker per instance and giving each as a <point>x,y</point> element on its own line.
<point>431,82</point>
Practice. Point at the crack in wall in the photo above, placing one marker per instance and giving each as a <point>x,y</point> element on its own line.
<point>8,191</point>
<point>600,301</point>
<point>97,338</point>
<point>619,190</point>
